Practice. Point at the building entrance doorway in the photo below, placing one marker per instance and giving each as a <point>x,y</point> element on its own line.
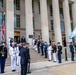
<point>17,36</point>
<point>53,37</point>
<point>63,38</point>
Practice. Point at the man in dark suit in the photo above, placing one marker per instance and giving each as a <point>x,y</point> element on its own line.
<point>3,56</point>
<point>59,48</point>
<point>72,51</point>
<point>23,39</point>
<point>24,59</point>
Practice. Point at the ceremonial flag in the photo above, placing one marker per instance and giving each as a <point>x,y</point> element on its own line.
<point>73,34</point>
<point>3,30</point>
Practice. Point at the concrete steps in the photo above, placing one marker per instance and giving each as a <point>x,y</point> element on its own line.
<point>35,57</point>
<point>8,62</point>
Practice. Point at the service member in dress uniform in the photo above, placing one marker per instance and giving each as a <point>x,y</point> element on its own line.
<point>59,49</point>
<point>42,48</point>
<point>12,53</point>
<point>17,54</point>
<point>45,49</point>
<point>49,52</point>
<point>38,46</point>
<point>33,41</point>
<point>72,51</point>
<point>3,56</point>
<point>54,51</point>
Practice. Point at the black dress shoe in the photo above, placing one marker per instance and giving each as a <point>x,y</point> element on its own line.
<point>17,65</point>
<point>59,62</point>
<point>73,60</point>
<point>50,60</point>
<point>28,72</point>
<point>54,61</point>
<point>13,70</point>
<point>2,72</point>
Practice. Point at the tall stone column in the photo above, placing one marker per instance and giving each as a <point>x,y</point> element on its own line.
<point>28,20</point>
<point>9,19</point>
<point>67,19</point>
<point>56,19</point>
<point>74,16</point>
<point>44,20</point>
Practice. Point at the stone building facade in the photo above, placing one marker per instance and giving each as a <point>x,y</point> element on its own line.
<point>54,19</point>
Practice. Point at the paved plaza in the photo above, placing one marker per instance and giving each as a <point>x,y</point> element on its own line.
<point>47,68</point>
<point>41,66</point>
<point>67,69</point>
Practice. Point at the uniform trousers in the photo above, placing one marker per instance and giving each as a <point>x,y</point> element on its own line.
<point>72,55</point>
<point>35,47</point>
<point>42,51</point>
<point>45,51</point>
<point>13,62</point>
<point>54,56</point>
<point>2,64</point>
<point>38,49</point>
<point>49,54</point>
<point>18,59</point>
<point>59,57</point>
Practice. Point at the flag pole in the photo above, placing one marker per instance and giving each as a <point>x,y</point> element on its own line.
<point>4,25</point>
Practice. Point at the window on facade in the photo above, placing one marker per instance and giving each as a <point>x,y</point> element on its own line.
<point>71,14</point>
<point>32,6</point>
<point>33,23</point>
<point>1,3</point>
<point>39,5</point>
<point>51,11</point>
<point>61,13</point>
<point>52,28</point>
<point>16,21</point>
<point>16,4</point>
<point>62,26</point>
<point>1,14</point>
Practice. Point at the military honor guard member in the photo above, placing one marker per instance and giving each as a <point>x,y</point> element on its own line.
<point>42,48</point>
<point>38,46</point>
<point>12,53</point>
<point>54,51</point>
<point>3,56</point>
<point>17,54</point>
<point>49,52</point>
<point>45,49</point>
<point>72,51</point>
<point>59,49</point>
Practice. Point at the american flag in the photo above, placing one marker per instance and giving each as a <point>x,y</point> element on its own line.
<point>3,31</point>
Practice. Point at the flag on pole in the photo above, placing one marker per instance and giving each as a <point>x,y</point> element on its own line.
<point>73,34</point>
<point>3,30</point>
